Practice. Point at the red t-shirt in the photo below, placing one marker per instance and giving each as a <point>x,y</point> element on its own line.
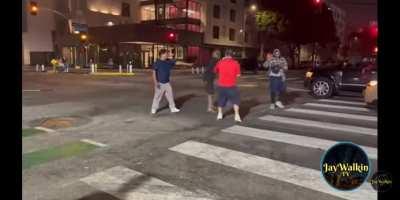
<point>227,69</point>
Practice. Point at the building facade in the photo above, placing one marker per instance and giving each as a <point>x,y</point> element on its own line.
<point>120,31</point>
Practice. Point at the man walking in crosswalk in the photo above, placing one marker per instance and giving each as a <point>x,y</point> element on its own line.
<point>228,70</point>
<point>276,65</point>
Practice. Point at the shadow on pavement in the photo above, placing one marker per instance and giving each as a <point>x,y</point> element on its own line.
<point>290,97</point>
<point>179,101</point>
<point>245,107</point>
<point>99,196</point>
<point>123,190</point>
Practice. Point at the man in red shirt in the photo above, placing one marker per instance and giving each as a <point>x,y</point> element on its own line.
<point>228,69</point>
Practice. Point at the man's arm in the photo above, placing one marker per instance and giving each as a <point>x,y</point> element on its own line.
<point>238,69</point>
<point>285,64</point>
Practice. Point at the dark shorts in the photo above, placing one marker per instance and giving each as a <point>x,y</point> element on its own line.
<point>226,94</point>
<point>209,86</point>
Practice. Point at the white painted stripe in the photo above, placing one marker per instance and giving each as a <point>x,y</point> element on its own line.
<point>318,124</point>
<point>281,171</point>
<point>94,143</point>
<point>343,102</point>
<point>45,129</point>
<point>297,89</point>
<point>336,106</point>
<point>304,141</point>
<point>333,114</point>
<point>30,90</point>
<point>116,181</point>
<point>293,79</point>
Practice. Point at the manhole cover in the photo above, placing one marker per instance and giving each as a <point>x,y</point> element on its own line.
<point>61,122</point>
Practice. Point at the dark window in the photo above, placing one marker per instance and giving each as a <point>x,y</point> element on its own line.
<point>246,37</point>
<point>232,34</point>
<point>215,32</point>
<point>126,10</point>
<point>217,11</point>
<point>233,1</point>
<point>233,15</point>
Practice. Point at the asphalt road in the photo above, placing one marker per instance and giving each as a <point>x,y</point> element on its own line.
<point>188,155</point>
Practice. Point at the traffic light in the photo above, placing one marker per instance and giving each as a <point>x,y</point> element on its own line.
<point>33,7</point>
<point>172,37</point>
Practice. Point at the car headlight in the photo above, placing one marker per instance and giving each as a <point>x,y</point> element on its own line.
<point>309,74</point>
<point>373,83</point>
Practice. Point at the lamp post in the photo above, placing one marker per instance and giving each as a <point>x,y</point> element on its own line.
<point>252,8</point>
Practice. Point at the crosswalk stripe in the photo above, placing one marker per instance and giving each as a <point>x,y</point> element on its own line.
<point>304,141</point>
<point>333,114</point>
<point>342,101</point>
<point>281,171</point>
<point>318,124</point>
<point>336,106</point>
<point>116,181</point>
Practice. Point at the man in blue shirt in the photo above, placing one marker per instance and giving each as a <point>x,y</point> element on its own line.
<point>161,73</point>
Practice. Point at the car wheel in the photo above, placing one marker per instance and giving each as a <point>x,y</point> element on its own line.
<point>322,88</point>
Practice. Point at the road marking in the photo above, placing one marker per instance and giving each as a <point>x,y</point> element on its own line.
<point>294,79</point>
<point>281,171</point>
<point>333,114</point>
<point>297,89</point>
<point>30,90</point>
<point>128,184</point>
<point>336,106</point>
<point>45,129</point>
<point>94,143</point>
<point>247,85</point>
<point>341,101</point>
<point>304,141</point>
<point>318,124</point>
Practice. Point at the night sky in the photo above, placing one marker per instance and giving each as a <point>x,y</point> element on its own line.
<point>359,12</point>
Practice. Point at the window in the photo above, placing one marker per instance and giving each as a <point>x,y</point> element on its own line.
<point>217,11</point>
<point>126,10</point>
<point>148,13</point>
<point>233,15</point>
<point>215,32</point>
<point>232,34</point>
<point>233,1</point>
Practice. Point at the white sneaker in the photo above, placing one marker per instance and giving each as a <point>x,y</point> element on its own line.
<point>175,110</point>
<point>219,116</point>
<point>279,104</point>
<point>272,106</point>
<point>237,118</point>
<point>153,111</point>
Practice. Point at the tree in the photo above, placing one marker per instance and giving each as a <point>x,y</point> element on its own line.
<point>302,22</point>
<point>269,23</point>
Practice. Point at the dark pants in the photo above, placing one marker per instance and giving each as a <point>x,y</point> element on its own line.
<point>276,88</point>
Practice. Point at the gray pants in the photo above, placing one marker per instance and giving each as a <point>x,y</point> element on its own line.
<point>159,93</point>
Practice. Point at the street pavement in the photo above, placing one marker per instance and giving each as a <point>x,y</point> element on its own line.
<point>273,154</point>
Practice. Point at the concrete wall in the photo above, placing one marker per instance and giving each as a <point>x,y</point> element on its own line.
<point>224,23</point>
<point>39,31</point>
<point>100,12</point>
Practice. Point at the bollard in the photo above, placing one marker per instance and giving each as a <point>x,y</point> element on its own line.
<point>197,70</point>
<point>95,68</point>
<point>192,70</point>
<point>202,69</point>
<point>42,68</point>
<point>37,67</point>
<point>127,68</point>
<point>120,68</point>
<point>130,68</point>
<point>92,68</point>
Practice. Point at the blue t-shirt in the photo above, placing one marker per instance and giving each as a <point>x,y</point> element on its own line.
<point>163,70</point>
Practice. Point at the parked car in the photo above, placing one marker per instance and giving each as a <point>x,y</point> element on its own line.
<point>370,93</point>
<point>326,81</point>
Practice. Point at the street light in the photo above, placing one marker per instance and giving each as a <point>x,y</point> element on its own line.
<point>253,8</point>
<point>33,8</point>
